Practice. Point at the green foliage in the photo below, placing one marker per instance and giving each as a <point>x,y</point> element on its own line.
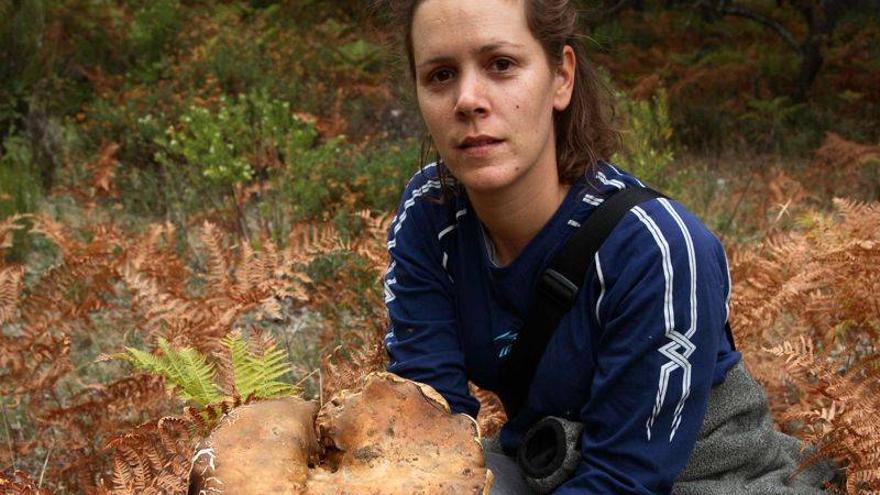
<point>258,375</point>
<point>766,120</point>
<point>241,75</point>
<point>237,57</point>
<point>155,24</point>
<point>209,152</point>
<point>229,142</point>
<point>647,139</point>
<point>192,375</point>
<point>186,370</point>
<point>380,172</point>
<point>20,190</point>
<point>359,55</point>
<point>21,34</point>
<point>213,142</point>
<point>703,126</point>
<point>19,181</point>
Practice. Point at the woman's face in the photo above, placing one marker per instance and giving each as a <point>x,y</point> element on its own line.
<point>487,92</point>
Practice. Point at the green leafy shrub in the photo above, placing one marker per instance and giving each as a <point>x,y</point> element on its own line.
<point>381,171</point>
<point>647,139</point>
<point>21,33</point>
<point>215,142</point>
<point>19,181</point>
<point>155,25</point>
<point>20,190</point>
<point>222,148</point>
<point>766,119</point>
<point>359,55</point>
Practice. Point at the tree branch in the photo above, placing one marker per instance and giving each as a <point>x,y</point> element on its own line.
<point>764,21</point>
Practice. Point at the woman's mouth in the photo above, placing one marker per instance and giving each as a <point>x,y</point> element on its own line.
<point>481,147</point>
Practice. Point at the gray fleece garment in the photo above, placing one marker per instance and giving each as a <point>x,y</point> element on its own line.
<point>738,452</point>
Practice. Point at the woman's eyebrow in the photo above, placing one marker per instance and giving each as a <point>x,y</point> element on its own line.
<point>443,59</point>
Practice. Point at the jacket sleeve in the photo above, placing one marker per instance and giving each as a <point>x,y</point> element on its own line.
<point>661,309</point>
<point>422,341</point>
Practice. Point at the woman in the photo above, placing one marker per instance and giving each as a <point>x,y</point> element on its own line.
<point>512,106</point>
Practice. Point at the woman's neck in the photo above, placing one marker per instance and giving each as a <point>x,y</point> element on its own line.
<point>514,216</point>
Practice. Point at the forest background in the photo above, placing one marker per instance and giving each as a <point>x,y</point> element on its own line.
<point>186,186</point>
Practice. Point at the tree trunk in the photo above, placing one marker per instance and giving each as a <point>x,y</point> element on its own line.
<point>811,64</point>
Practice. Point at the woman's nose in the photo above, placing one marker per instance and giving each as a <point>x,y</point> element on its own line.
<point>472,99</point>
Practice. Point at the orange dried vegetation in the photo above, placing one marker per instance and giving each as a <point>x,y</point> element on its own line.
<point>837,151</point>
<point>804,310</point>
<point>100,295</point>
<point>806,316</point>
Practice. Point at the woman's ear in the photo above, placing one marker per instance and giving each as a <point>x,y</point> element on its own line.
<point>564,79</point>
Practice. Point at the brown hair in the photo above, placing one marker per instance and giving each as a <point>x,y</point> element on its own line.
<point>584,131</point>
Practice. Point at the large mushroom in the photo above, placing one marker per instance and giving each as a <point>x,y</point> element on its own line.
<point>263,447</point>
<point>389,436</point>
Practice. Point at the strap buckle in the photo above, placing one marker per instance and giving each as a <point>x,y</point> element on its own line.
<point>558,288</point>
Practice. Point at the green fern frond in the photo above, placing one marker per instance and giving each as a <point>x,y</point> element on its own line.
<point>186,370</point>
<point>258,375</point>
<point>142,360</point>
<point>192,375</point>
<point>238,352</point>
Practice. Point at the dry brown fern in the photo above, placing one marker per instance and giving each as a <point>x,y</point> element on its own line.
<point>841,161</point>
<point>810,297</point>
<point>140,285</point>
<point>837,151</point>
<point>100,409</point>
<point>152,255</point>
<point>35,357</point>
<point>492,415</point>
<point>370,246</point>
<point>218,281</point>
<point>231,290</point>
<point>14,482</point>
<point>842,415</point>
<point>152,459</point>
<point>103,169</point>
<point>343,368</point>
<point>308,240</point>
<point>362,349</point>
<point>826,275</point>
<point>10,286</point>
<point>155,458</point>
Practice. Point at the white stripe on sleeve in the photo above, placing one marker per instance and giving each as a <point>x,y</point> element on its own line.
<point>396,225</point>
<point>680,347</point>
<point>601,287</point>
<point>613,182</point>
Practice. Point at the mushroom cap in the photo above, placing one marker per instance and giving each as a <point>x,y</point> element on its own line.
<point>388,436</point>
<point>395,436</point>
<point>263,447</point>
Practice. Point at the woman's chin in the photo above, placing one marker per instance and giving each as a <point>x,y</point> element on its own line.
<point>486,180</point>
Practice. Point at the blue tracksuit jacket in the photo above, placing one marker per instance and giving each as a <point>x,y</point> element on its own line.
<point>635,358</point>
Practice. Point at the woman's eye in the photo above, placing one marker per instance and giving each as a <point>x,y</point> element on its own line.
<point>441,75</point>
<point>502,64</point>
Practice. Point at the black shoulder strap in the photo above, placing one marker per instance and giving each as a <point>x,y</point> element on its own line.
<point>557,288</point>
